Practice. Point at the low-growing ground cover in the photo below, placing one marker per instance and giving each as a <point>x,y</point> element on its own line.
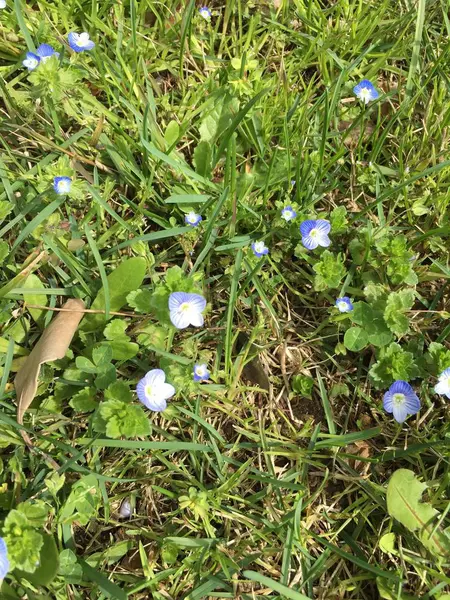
<point>228,226</point>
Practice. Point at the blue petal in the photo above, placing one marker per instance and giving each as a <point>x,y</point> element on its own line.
<point>401,387</point>
<point>4,562</point>
<point>323,240</point>
<point>176,299</point>
<point>323,226</point>
<point>307,226</point>
<point>197,301</point>
<point>309,242</point>
<point>400,412</point>
<point>388,402</point>
<point>45,50</point>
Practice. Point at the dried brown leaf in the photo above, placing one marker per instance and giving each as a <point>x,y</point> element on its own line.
<point>52,345</point>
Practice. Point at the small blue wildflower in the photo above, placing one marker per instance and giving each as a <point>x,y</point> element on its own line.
<point>4,562</point>
<point>192,219</point>
<point>288,213</point>
<point>62,185</point>
<point>443,385</point>
<point>31,61</point>
<point>401,400</point>
<point>45,51</point>
<point>153,391</point>
<point>315,233</point>
<point>2,3</point>
<point>201,372</point>
<point>186,309</point>
<point>205,12</point>
<point>344,304</point>
<point>365,91</point>
<point>80,41</point>
<point>259,249</point>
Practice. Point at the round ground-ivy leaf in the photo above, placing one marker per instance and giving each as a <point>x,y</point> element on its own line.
<point>355,339</point>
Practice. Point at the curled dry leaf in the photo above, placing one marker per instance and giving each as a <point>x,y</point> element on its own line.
<point>52,345</point>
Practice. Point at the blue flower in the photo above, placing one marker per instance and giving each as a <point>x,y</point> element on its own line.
<point>192,219</point>
<point>259,249</point>
<point>401,400</point>
<point>315,233</point>
<point>344,304</point>
<point>366,91</point>
<point>2,3</point>
<point>205,12</point>
<point>31,61</point>
<point>443,385</point>
<point>4,562</point>
<point>186,309</point>
<point>62,185</point>
<point>288,213</point>
<point>45,51</point>
<point>153,391</point>
<point>201,372</point>
<point>80,41</point>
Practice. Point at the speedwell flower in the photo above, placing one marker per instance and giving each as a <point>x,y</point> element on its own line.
<point>192,219</point>
<point>443,385</point>
<point>315,233</point>
<point>401,400</point>
<point>31,61</point>
<point>186,309</point>
<point>201,372</point>
<point>259,249</point>
<point>204,12</point>
<point>45,51</point>
<point>2,3</point>
<point>4,562</point>
<point>153,391</point>
<point>80,41</point>
<point>344,304</point>
<point>365,91</point>
<point>288,213</point>
<point>62,185</point>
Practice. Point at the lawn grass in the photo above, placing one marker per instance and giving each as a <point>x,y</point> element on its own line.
<point>270,479</point>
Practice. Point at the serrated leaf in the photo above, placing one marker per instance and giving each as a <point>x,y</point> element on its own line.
<point>397,303</point>
<point>69,568</point>
<point>124,419</point>
<point>125,278</point>
<point>119,391</point>
<point>102,355</point>
<point>85,365</point>
<point>35,511</point>
<point>356,339</point>
<point>84,401</point>
<point>404,503</point>
<point>140,300</point>
<point>123,349</point>
<point>47,569</point>
<point>116,328</point>
<point>105,378</point>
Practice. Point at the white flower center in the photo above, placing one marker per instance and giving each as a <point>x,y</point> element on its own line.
<point>342,305</point>
<point>314,233</point>
<point>148,391</point>
<point>365,94</point>
<point>185,307</point>
<point>64,186</point>
<point>398,399</point>
<point>83,39</point>
<point>259,246</point>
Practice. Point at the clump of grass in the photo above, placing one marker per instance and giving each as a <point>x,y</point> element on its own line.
<point>269,479</point>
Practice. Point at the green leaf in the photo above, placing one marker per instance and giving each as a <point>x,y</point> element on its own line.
<point>125,278</point>
<point>7,593</point>
<point>83,501</point>
<point>437,358</point>
<point>102,355</point>
<point>404,494</point>
<point>330,271</point>
<point>355,339</point>
<point>47,569</point>
<point>303,385</point>
<point>387,543</point>
<point>119,391</point>
<point>393,363</point>
<point>35,511</point>
<point>140,300</point>
<point>116,328</point>
<point>124,419</point>
<point>153,335</point>
<point>203,158</point>
<point>372,322</point>
<point>338,219</point>
<point>106,377</point>
<point>69,568</point>
<point>397,303</point>
<point>33,282</point>
<point>123,349</point>
<point>172,133</point>
<point>85,365</point>
<point>24,546</point>
<point>84,401</point>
